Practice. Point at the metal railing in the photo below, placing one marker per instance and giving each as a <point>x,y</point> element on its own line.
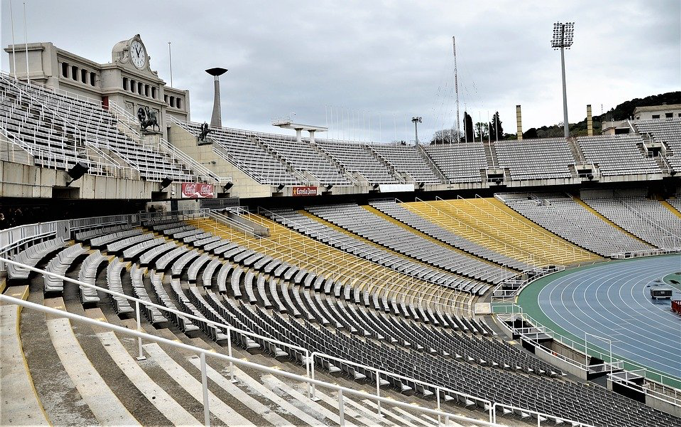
<point>207,354</point>
<point>308,361</point>
<point>332,244</point>
<point>580,346</point>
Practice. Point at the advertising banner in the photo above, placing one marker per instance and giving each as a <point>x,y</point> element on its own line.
<point>197,190</point>
<point>304,191</point>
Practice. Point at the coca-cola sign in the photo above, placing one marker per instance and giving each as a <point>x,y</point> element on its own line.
<point>197,190</point>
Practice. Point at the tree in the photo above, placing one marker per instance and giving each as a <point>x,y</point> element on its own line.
<point>468,126</point>
<point>445,136</point>
<point>481,131</point>
<point>531,133</point>
<point>496,131</point>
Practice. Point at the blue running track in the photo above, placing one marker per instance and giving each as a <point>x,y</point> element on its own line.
<point>611,300</point>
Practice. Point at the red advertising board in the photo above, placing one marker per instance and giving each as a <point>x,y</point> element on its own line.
<point>676,306</point>
<point>304,191</point>
<point>197,190</point>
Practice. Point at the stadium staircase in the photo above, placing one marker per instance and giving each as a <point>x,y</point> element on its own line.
<point>431,164</point>
<point>491,155</point>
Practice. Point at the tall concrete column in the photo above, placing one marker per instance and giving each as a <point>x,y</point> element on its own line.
<point>589,121</point>
<point>216,117</point>
<point>311,137</point>
<point>519,122</point>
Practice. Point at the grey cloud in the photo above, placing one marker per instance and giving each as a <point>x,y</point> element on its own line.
<point>387,59</point>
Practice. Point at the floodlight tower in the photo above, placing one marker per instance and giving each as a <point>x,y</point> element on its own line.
<point>416,121</point>
<point>562,38</point>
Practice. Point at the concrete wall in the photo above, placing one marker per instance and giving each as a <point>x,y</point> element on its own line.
<point>560,363</point>
<point>35,182</point>
<point>244,186</point>
<point>663,406</point>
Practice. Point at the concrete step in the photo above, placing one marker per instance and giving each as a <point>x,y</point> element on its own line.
<point>104,404</point>
<point>20,403</point>
<point>223,412</point>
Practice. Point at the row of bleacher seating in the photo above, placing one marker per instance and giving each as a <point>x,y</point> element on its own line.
<point>667,131</point>
<point>67,128</point>
<point>488,222</point>
<point>328,235</point>
<point>240,148</point>
<point>476,365</point>
<point>376,229</point>
<point>304,157</point>
<point>31,256</point>
<point>291,255</point>
<point>617,155</point>
<point>397,211</point>
<point>549,158</point>
<point>406,159</point>
<point>58,265</point>
<point>647,219</point>
<point>568,219</point>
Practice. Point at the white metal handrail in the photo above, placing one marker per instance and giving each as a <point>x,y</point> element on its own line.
<point>515,240</point>
<point>461,223</point>
<point>577,345</point>
<point>540,416</point>
<point>540,231</point>
<point>359,259</point>
<point>203,354</point>
<point>486,403</point>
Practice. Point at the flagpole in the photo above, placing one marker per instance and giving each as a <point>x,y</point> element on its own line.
<point>14,54</point>
<point>28,76</point>
<point>170,58</point>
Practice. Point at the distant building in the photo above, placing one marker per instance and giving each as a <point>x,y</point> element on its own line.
<point>616,128</point>
<point>128,80</point>
<point>658,112</point>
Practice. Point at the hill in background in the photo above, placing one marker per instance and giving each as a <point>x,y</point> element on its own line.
<point>623,111</point>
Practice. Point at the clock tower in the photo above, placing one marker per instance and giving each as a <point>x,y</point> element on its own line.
<point>127,83</point>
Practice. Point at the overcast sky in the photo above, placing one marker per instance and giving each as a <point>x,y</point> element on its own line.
<point>364,68</point>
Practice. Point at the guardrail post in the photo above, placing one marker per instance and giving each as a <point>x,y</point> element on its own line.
<point>229,353</point>
<point>307,369</point>
<point>341,411</point>
<point>439,421</point>
<point>204,386</point>
<point>139,329</point>
<point>310,361</point>
<point>378,391</point>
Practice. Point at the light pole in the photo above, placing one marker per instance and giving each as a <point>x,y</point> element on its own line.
<point>416,121</point>
<point>563,35</point>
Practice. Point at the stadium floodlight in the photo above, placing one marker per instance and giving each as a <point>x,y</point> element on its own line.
<point>563,35</point>
<point>416,121</point>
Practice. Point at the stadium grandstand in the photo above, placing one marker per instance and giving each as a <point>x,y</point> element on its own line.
<point>156,270</point>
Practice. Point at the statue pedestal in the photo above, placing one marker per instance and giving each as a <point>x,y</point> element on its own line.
<point>205,141</point>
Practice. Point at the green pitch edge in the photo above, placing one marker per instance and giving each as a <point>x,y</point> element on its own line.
<point>528,299</point>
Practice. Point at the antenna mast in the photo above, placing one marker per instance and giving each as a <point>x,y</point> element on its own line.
<point>456,86</point>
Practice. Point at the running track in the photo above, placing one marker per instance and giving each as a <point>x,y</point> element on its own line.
<point>611,300</point>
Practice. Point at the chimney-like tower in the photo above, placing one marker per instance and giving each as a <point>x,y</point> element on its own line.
<point>589,121</point>
<point>519,122</point>
<point>216,117</point>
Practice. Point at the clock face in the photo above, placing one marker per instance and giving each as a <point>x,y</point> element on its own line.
<point>138,54</point>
